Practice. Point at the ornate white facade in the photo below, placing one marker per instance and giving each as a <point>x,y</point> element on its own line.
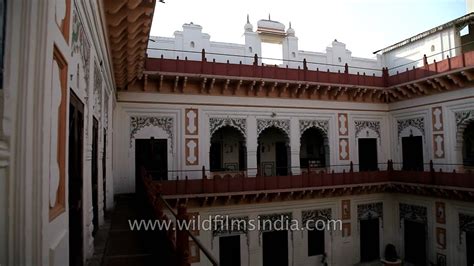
<point>94,54</point>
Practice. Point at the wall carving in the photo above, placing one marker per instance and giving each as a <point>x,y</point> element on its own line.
<point>232,226</point>
<point>266,219</point>
<point>192,151</point>
<point>344,149</point>
<point>464,116</point>
<point>437,118</point>
<point>323,125</point>
<point>97,92</point>
<point>80,44</point>
<point>466,223</point>
<point>139,122</point>
<point>343,123</point>
<point>106,110</point>
<point>361,125</point>
<point>311,216</point>
<point>239,123</point>
<point>413,213</point>
<point>438,145</point>
<point>369,211</point>
<point>191,119</point>
<point>283,124</point>
<point>418,123</point>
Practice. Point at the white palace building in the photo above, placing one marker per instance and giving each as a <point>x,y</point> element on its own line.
<point>102,123</point>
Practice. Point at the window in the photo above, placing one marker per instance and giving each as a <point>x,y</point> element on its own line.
<point>192,44</point>
<point>250,49</point>
<point>293,54</point>
<point>432,48</point>
<point>315,242</point>
<point>339,59</point>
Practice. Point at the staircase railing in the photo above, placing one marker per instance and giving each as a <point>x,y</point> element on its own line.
<point>180,235</point>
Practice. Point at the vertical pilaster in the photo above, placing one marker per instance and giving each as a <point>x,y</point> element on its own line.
<point>252,145</point>
<point>295,146</point>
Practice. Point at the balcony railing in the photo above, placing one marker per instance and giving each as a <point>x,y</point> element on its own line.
<point>316,178</point>
<point>303,74</point>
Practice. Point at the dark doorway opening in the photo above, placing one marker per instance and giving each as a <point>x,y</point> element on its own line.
<point>415,242</point>
<point>216,156</point>
<point>281,158</point>
<point>314,148</point>
<point>75,184</point>
<point>152,154</point>
<point>368,154</point>
<point>412,151</point>
<point>104,173</point>
<point>228,151</point>
<point>275,248</point>
<point>95,175</point>
<point>369,240</point>
<point>470,248</point>
<point>468,145</point>
<point>229,250</point>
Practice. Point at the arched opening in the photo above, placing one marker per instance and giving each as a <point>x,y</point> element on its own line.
<point>228,151</point>
<point>273,152</point>
<point>314,149</point>
<point>468,145</point>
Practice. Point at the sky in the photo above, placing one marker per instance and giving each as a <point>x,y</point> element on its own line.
<point>363,25</point>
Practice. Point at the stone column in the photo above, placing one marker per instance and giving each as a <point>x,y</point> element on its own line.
<point>295,146</point>
<point>252,145</point>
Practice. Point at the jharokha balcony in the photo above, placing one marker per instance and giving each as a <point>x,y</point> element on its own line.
<point>214,78</point>
<point>238,188</point>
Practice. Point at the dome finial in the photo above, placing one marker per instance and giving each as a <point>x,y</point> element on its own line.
<point>290,25</point>
<point>248,19</point>
<point>269,16</point>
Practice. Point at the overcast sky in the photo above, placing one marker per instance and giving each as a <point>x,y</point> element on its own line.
<point>363,25</point>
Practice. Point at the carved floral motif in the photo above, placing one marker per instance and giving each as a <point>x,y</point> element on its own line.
<point>418,123</point>
<point>462,117</point>
<point>97,91</point>
<point>239,123</point>
<point>320,124</point>
<point>283,124</point>
<point>139,122</point>
<point>231,226</point>
<point>361,125</point>
<point>311,216</point>
<point>80,44</point>
<point>370,210</point>
<point>413,213</point>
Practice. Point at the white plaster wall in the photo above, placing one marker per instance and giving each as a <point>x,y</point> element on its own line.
<point>250,109</point>
<point>451,102</point>
<point>342,251</point>
<point>411,54</point>
<point>334,58</point>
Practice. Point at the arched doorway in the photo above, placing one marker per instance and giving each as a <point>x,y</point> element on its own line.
<point>468,146</point>
<point>227,152</point>
<point>314,149</point>
<point>273,152</point>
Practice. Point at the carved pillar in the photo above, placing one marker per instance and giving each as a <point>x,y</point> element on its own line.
<point>295,146</point>
<point>182,239</point>
<point>252,145</point>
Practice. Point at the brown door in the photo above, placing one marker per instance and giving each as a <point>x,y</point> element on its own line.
<point>104,171</point>
<point>275,248</point>
<point>95,175</point>
<point>415,242</point>
<point>412,152</point>
<point>369,240</point>
<point>76,127</point>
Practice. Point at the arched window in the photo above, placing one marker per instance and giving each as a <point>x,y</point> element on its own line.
<point>273,152</point>
<point>314,149</point>
<point>227,152</point>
